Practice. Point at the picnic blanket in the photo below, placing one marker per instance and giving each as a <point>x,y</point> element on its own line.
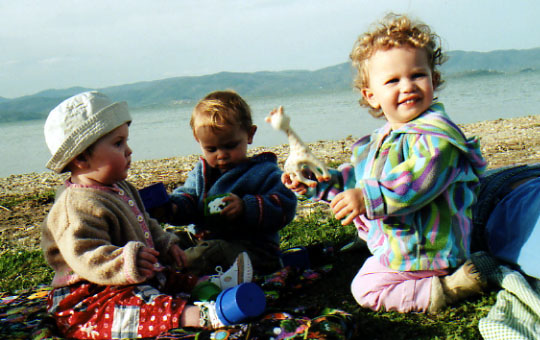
<point>516,313</point>
<point>24,316</point>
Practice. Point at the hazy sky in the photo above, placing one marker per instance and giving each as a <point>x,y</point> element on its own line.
<point>97,43</point>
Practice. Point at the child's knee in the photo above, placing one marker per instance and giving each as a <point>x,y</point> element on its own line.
<point>205,256</point>
<point>355,289</point>
<point>364,293</point>
<point>383,291</point>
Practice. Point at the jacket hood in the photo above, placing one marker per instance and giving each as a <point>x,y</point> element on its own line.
<point>434,121</point>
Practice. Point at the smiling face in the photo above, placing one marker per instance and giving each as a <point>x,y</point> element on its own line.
<point>400,83</point>
<point>108,161</point>
<point>226,147</point>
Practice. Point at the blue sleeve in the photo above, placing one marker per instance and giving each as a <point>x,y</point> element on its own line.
<point>273,207</point>
<point>186,199</point>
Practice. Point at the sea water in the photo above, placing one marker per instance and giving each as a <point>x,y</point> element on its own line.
<point>163,133</point>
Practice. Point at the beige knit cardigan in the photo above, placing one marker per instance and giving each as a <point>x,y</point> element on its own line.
<point>92,234</point>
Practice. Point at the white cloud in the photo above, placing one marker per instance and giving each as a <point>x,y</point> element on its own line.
<point>53,60</point>
<point>10,62</point>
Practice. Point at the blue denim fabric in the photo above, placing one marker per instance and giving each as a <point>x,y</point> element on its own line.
<point>494,185</point>
<point>513,229</point>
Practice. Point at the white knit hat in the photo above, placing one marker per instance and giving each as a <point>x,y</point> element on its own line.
<point>79,122</point>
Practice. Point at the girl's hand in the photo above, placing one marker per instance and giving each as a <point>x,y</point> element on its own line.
<point>349,204</point>
<point>234,207</point>
<point>147,262</point>
<point>293,184</point>
<point>178,255</point>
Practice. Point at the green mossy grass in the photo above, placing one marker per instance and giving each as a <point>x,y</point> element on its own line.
<point>23,269</point>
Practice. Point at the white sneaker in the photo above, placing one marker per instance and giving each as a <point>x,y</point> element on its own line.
<point>240,272</point>
<point>208,316</point>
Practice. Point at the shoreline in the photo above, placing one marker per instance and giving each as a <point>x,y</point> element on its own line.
<point>28,197</point>
<point>503,141</point>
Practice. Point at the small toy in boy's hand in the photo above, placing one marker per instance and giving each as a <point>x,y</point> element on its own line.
<point>214,205</point>
<point>300,156</point>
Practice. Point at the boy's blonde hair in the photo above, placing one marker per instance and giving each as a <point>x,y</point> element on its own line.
<point>220,109</point>
<point>395,31</point>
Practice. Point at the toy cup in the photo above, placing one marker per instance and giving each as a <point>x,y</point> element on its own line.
<point>154,195</point>
<point>297,257</point>
<point>239,303</point>
<point>205,291</point>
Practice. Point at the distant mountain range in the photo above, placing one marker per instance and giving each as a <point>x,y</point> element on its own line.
<point>171,91</point>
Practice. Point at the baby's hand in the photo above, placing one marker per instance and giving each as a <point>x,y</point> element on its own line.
<point>349,203</point>
<point>293,184</point>
<point>147,262</point>
<point>178,255</point>
<point>234,207</point>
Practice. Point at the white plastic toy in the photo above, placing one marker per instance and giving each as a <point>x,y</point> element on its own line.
<point>216,205</point>
<point>300,156</point>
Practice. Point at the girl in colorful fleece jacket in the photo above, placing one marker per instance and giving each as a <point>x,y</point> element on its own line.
<point>411,185</point>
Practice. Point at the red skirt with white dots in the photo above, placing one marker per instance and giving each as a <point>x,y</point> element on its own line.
<point>89,311</point>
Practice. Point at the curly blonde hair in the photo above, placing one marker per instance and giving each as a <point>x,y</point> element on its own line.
<point>220,109</point>
<point>395,31</point>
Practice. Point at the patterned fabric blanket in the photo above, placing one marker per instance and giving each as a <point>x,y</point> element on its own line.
<point>516,313</point>
<point>23,316</point>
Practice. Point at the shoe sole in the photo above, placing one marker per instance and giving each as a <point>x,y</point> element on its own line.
<point>243,261</point>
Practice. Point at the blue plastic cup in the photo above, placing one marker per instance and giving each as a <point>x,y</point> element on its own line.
<point>154,195</point>
<point>239,303</point>
<point>297,257</point>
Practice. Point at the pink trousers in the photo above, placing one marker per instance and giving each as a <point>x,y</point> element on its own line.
<point>376,286</point>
